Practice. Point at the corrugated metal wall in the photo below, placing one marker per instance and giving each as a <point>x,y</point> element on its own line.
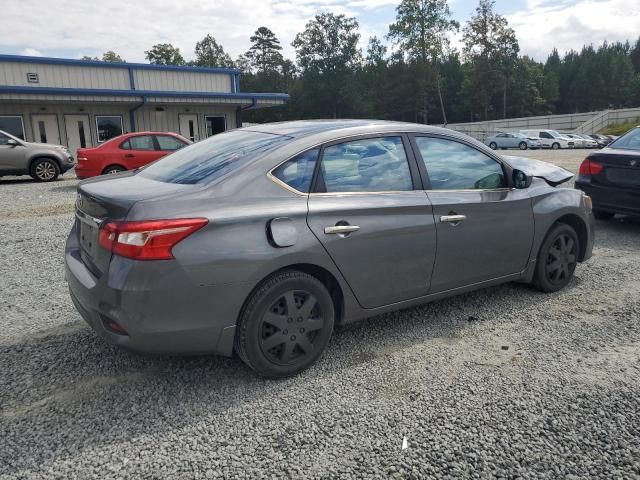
<point>63,76</point>
<point>182,81</point>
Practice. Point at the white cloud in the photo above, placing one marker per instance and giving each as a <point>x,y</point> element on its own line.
<point>565,25</point>
<point>32,52</point>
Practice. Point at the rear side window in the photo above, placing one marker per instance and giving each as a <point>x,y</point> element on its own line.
<point>455,166</point>
<point>298,172</point>
<point>168,143</point>
<point>367,165</point>
<point>142,142</point>
<point>214,157</point>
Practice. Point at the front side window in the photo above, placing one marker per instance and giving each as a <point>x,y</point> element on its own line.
<point>367,165</point>
<point>108,127</point>
<point>214,157</point>
<point>545,135</point>
<point>298,172</point>
<point>13,126</point>
<point>629,141</point>
<point>4,140</point>
<point>455,166</point>
<point>167,143</point>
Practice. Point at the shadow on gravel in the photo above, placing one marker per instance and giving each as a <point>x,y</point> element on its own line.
<point>65,188</point>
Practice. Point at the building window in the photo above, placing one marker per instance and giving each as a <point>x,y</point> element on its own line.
<point>12,125</point>
<point>215,124</point>
<point>108,127</point>
<point>33,78</point>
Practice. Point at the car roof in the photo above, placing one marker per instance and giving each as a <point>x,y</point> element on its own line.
<point>306,128</point>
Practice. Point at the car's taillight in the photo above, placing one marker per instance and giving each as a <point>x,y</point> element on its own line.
<point>147,239</point>
<point>589,167</point>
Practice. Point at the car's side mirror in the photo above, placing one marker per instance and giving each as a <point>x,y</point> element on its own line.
<point>13,143</point>
<point>521,180</point>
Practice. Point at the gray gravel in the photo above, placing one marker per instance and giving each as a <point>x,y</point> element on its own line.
<point>504,382</point>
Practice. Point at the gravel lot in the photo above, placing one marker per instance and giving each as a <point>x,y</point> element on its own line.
<point>504,382</point>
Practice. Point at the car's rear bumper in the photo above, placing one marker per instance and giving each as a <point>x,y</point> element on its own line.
<point>156,303</point>
<point>608,199</point>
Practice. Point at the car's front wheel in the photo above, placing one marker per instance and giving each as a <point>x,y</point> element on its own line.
<point>523,145</point>
<point>285,324</point>
<point>45,170</point>
<point>557,258</point>
<point>555,145</point>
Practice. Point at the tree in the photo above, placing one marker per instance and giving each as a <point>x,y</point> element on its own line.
<point>209,53</point>
<point>164,54</point>
<point>328,55</point>
<point>264,52</point>
<point>421,30</point>
<point>109,56</point>
<point>491,47</point>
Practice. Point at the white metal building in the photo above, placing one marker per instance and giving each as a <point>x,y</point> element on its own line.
<point>82,103</point>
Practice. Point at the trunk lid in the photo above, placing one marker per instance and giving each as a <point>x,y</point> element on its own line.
<point>621,168</point>
<point>110,198</point>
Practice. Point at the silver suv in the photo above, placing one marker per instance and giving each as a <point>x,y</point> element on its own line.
<point>43,161</point>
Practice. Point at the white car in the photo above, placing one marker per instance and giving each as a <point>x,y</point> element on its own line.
<point>578,140</point>
<point>550,138</point>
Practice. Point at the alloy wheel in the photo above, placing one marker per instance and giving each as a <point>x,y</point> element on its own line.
<point>561,259</point>
<point>290,326</point>
<point>45,171</point>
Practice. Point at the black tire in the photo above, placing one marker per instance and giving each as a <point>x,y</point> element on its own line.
<point>45,170</point>
<point>271,340</point>
<point>601,215</point>
<point>493,146</point>
<point>557,258</point>
<point>523,145</point>
<point>555,145</point>
<point>113,169</point>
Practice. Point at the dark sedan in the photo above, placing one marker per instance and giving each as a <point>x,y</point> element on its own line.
<point>611,177</point>
<point>261,239</point>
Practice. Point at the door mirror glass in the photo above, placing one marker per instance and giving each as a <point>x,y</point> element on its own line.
<point>521,180</point>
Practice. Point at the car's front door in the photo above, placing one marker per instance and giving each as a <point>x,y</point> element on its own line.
<point>510,141</point>
<point>12,157</point>
<point>485,228</point>
<point>378,230</point>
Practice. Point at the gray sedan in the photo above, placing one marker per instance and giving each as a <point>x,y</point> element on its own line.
<point>260,240</point>
<point>512,140</point>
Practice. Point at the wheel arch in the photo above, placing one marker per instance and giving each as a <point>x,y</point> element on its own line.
<point>113,165</point>
<point>37,157</point>
<point>579,225</point>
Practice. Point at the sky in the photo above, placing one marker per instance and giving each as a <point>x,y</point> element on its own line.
<point>73,28</point>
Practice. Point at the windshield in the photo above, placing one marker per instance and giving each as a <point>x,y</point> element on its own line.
<point>520,135</point>
<point>214,157</point>
<point>629,141</point>
<point>555,134</point>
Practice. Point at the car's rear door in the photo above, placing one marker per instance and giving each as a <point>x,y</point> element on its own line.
<point>485,228</point>
<point>139,151</point>
<point>368,210</point>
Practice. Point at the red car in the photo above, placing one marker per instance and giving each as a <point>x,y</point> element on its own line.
<point>127,152</point>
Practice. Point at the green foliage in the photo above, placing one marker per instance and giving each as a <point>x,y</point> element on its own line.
<point>164,54</point>
<point>620,128</point>
<point>209,53</point>
<point>108,56</point>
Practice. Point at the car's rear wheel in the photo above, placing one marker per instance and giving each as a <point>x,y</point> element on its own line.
<point>285,324</point>
<point>602,215</point>
<point>45,170</point>
<point>557,258</point>
<point>113,169</point>
<point>555,145</point>
<point>523,145</point>
<point>493,146</point>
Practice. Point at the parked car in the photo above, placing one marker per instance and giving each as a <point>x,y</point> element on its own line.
<point>601,139</point>
<point>611,176</point>
<point>550,138</point>
<point>590,142</point>
<point>43,161</point>
<point>512,140</point>
<point>578,141</point>
<point>127,152</point>
<point>261,239</point>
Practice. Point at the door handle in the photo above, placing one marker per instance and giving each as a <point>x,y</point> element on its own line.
<point>452,218</point>
<point>129,155</point>
<point>342,230</point>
